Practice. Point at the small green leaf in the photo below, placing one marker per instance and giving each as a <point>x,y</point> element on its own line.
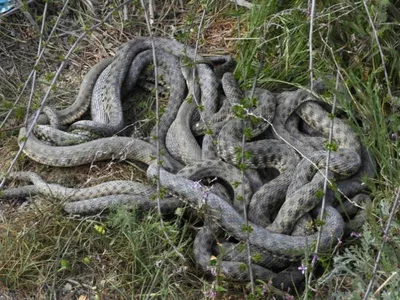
<point>248,154</point>
<point>219,288</point>
<point>241,247</point>
<point>319,222</point>
<point>208,131</point>
<point>248,133</point>
<point>64,265</point>
<point>100,229</point>
<point>247,228</point>
<point>257,257</point>
<point>319,194</point>
<point>86,260</point>
<point>243,267</point>
<point>236,184</point>
<point>331,146</point>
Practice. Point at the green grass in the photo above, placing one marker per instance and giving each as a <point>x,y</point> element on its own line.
<point>116,256</point>
<point>125,255</point>
<point>343,42</point>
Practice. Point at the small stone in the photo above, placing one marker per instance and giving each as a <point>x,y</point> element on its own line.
<point>67,288</point>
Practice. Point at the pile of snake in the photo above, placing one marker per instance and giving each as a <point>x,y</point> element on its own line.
<point>253,159</point>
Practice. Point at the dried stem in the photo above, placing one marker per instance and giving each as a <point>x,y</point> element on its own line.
<point>158,186</point>
<point>325,188</point>
<point>379,48</point>
<point>33,85</point>
<point>310,42</point>
<point>384,240</point>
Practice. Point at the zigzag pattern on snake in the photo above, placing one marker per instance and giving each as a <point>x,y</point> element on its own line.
<point>279,205</point>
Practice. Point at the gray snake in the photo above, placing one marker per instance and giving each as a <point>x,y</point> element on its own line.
<point>275,205</point>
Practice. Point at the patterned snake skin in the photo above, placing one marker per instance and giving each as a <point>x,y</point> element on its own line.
<point>206,125</point>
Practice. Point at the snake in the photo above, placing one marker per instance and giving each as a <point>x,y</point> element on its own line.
<point>203,154</point>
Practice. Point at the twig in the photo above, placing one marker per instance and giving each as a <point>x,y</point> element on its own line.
<point>384,284</point>
<point>325,188</point>
<point>196,46</point>
<point>239,36</point>
<point>384,239</point>
<point>148,23</point>
<point>249,258</point>
<point>197,101</point>
<point>125,11</point>
<point>242,188</point>
<point>28,107</point>
<point>380,50</point>
<point>243,3</point>
<point>151,11</point>
<point>11,128</point>
<point>310,43</point>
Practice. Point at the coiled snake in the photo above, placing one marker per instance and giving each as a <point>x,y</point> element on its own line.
<point>205,105</point>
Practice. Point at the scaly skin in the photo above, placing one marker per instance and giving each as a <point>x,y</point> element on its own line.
<point>277,206</point>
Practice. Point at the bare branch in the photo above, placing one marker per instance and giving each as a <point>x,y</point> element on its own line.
<point>385,237</point>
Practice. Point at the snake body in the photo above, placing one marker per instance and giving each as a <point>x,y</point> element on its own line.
<point>278,206</point>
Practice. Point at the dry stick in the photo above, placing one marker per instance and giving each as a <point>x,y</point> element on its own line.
<point>194,96</point>
<point>248,231</point>
<point>310,43</point>
<point>151,11</point>
<point>395,204</point>
<point>239,37</point>
<point>181,4</point>
<point>384,284</point>
<point>125,12</point>
<point>354,101</point>
<point>197,101</point>
<point>46,96</point>
<point>243,3</point>
<point>194,75</point>
<point>28,107</point>
<point>249,262</point>
<point>348,93</point>
<point>246,220</point>
<point>384,239</point>
<point>394,207</point>
<point>11,128</point>
<point>325,188</point>
<point>196,46</point>
<point>157,131</point>
<point>380,50</point>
